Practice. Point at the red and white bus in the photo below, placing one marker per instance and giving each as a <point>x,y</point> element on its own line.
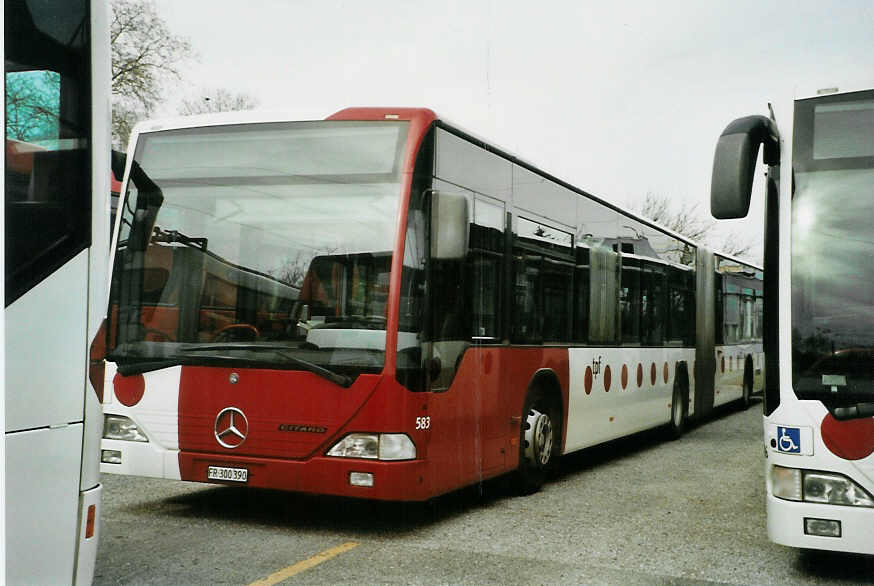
<point>819,296</point>
<point>56,240</point>
<point>380,305</point>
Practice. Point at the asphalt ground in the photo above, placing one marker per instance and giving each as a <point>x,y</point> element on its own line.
<point>642,510</point>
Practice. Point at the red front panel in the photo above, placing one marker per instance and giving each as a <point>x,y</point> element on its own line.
<point>286,414</point>
<point>293,418</point>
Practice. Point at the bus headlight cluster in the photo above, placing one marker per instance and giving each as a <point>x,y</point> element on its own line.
<point>818,487</point>
<point>375,446</point>
<point>119,427</point>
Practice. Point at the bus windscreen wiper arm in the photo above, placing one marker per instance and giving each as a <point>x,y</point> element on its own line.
<point>145,366</point>
<point>857,411</point>
<point>332,376</point>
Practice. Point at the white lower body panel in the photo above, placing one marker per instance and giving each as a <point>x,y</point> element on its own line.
<point>615,392</point>
<point>42,504</point>
<point>142,459</point>
<point>157,416</point>
<point>786,526</point>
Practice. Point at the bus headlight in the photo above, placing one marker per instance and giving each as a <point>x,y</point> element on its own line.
<point>119,427</point>
<point>817,487</point>
<point>834,489</point>
<point>375,446</point>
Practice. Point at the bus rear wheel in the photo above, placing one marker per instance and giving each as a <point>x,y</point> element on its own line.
<point>677,425</point>
<point>538,442</point>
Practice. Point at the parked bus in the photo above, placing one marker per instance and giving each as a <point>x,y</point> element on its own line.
<point>429,311</point>
<point>56,181</point>
<point>819,303</point>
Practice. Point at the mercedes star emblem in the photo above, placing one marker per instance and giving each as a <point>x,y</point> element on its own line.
<point>231,428</point>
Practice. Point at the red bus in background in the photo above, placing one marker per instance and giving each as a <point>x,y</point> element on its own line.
<point>380,305</point>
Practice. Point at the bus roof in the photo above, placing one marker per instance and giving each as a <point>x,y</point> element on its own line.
<point>395,113</point>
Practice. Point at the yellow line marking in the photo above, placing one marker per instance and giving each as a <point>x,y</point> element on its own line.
<point>299,567</point>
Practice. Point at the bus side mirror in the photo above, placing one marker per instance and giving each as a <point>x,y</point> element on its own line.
<point>734,164</point>
<point>449,225</point>
<point>149,202</point>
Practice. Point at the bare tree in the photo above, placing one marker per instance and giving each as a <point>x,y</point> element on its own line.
<point>688,221</point>
<point>217,100</point>
<point>32,105</point>
<point>145,56</point>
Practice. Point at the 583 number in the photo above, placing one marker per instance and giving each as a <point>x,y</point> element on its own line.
<point>423,423</point>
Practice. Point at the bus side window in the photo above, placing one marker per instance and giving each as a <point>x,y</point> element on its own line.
<point>48,200</point>
<point>485,270</point>
<point>630,301</point>
<point>485,281</point>
<point>719,309</point>
<point>557,300</point>
<point>653,305</point>
<point>526,299</point>
<point>731,302</point>
<point>581,299</point>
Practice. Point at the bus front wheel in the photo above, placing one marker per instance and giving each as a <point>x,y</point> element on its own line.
<point>538,442</point>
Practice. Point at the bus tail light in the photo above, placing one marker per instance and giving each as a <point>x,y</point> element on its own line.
<point>119,427</point>
<point>90,521</point>
<point>97,362</point>
<point>375,446</point>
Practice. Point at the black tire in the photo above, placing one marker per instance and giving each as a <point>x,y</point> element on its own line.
<point>539,442</point>
<point>679,411</point>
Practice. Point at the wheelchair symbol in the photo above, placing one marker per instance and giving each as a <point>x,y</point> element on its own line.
<point>789,440</point>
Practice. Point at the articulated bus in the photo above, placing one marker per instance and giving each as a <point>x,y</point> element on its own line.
<point>819,299</point>
<point>381,305</point>
<point>56,239</point>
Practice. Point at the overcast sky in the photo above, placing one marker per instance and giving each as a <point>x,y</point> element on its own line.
<point>618,98</point>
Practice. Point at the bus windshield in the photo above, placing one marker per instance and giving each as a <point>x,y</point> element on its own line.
<point>833,249</point>
<point>262,244</point>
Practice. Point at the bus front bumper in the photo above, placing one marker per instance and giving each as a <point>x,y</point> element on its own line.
<point>138,459</point>
<point>349,477</point>
<point>791,523</point>
<point>358,478</point>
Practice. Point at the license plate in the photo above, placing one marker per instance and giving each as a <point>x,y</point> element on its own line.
<point>227,474</point>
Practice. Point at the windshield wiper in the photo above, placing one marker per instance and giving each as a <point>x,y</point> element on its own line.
<point>332,376</point>
<point>127,369</point>
<point>127,366</point>
<point>857,411</point>
<point>175,236</point>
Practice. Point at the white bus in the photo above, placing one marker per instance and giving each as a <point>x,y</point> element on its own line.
<point>56,181</point>
<point>819,310</point>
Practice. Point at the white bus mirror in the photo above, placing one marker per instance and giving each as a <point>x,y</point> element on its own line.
<point>449,225</point>
<point>734,164</point>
